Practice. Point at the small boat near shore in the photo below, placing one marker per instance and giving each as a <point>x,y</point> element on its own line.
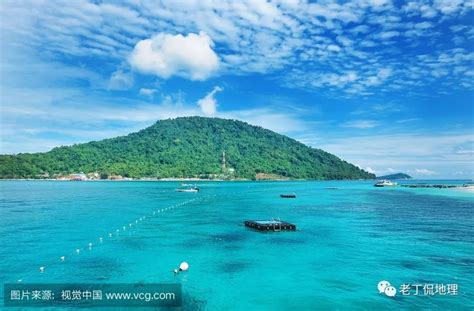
<point>385,183</point>
<point>190,189</point>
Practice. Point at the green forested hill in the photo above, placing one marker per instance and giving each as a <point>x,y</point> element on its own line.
<point>187,147</point>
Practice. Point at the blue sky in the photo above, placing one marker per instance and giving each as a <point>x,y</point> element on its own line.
<point>386,85</point>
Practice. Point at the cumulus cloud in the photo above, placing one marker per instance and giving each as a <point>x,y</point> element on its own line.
<point>208,104</point>
<point>388,34</point>
<point>166,55</point>
<point>423,25</point>
<point>333,48</point>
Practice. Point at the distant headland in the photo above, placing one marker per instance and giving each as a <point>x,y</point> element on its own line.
<point>395,176</point>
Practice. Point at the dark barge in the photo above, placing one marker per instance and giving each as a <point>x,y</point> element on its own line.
<point>288,196</point>
<point>270,225</point>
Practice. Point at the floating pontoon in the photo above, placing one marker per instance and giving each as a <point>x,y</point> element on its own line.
<point>270,225</point>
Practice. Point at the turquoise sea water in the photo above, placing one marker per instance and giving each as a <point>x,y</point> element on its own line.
<point>348,240</point>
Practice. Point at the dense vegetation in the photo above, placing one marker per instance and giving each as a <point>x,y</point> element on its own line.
<point>186,147</point>
<point>395,176</point>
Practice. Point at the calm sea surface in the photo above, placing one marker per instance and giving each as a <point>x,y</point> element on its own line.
<point>348,240</point>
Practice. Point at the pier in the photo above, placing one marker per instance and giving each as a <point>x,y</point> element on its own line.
<point>440,186</point>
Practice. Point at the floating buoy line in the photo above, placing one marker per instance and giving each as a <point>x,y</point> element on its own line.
<point>63,259</point>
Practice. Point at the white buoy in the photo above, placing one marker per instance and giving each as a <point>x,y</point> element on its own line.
<point>117,231</point>
<point>123,228</point>
<point>90,245</point>
<point>183,266</point>
<point>41,269</point>
<point>136,221</point>
<point>175,271</point>
<point>62,258</point>
<point>154,212</point>
<point>130,225</point>
<point>19,280</point>
<point>100,240</point>
<point>78,250</point>
<point>110,234</point>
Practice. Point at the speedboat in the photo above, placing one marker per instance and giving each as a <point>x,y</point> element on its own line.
<point>385,183</point>
<point>191,189</point>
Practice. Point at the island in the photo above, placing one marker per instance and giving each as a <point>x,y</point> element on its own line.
<point>185,148</point>
<point>395,176</point>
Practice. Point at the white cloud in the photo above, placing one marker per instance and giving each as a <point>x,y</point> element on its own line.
<point>208,104</point>
<point>451,6</point>
<point>278,121</point>
<point>92,116</point>
<point>257,37</point>
<point>388,35</point>
<point>465,148</point>
<point>167,55</point>
<point>370,170</point>
<point>333,48</point>
<point>427,11</point>
<point>408,120</point>
<point>424,171</point>
<point>120,80</point>
<point>333,79</point>
<point>423,25</point>
<point>361,124</point>
<point>377,110</point>
<point>147,92</point>
<point>405,152</point>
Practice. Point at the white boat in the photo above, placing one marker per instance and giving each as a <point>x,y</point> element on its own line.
<point>191,189</point>
<point>385,183</point>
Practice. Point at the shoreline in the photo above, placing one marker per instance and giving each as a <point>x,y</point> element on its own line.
<point>466,187</point>
<point>178,179</point>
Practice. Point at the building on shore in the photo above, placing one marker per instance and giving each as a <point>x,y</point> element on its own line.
<point>93,176</point>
